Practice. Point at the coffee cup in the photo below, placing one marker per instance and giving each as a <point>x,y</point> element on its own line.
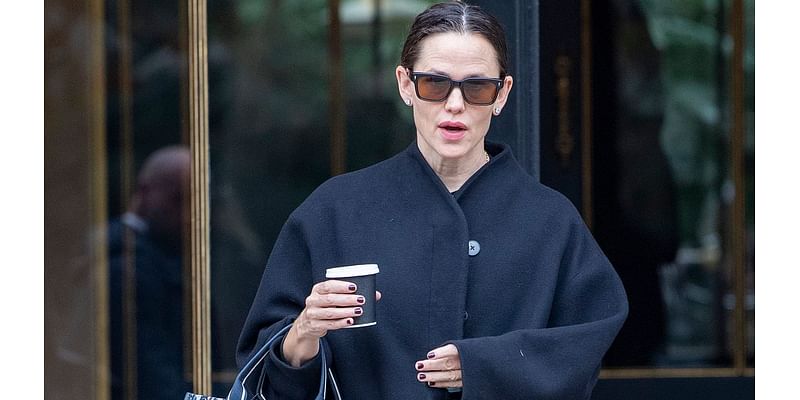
<point>363,276</point>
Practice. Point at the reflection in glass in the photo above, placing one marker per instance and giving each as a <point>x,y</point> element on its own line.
<point>74,261</point>
<point>149,173</point>
<point>268,144</point>
<point>115,191</point>
<point>668,229</point>
<point>146,281</point>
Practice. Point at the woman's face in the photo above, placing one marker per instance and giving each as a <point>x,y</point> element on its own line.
<point>453,130</point>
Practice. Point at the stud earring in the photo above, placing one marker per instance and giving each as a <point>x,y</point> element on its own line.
<point>408,102</point>
<point>497,111</point>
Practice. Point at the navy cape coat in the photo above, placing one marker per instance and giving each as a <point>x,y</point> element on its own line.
<point>531,314</point>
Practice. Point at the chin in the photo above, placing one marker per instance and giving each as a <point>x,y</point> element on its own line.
<point>452,150</point>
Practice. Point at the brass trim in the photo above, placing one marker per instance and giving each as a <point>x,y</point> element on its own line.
<point>565,143</point>
<point>338,111</point>
<point>125,64</point>
<point>186,208</point>
<point>586,113</point>
<point>644,373</point>
<point>198,143</point>
<point>737,173</point>
<point>129,306</point>
<point>99,206</point>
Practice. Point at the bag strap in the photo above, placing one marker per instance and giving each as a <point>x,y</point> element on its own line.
<point>238,391</point>
<point>326,375</point>
<point>334,386</point>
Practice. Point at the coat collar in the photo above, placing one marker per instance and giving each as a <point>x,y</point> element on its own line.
<point>501,158</point>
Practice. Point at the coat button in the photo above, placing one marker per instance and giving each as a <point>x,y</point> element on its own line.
<point>466,315</point>
<point>474,247</point>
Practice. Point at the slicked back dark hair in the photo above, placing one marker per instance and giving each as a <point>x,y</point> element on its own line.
<point>459,17</point>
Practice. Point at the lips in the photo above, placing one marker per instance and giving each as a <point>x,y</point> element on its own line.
<point>452,130</point>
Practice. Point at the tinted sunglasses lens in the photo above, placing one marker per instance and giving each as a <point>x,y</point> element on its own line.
<point>479,91</point>
<point>432,87</point>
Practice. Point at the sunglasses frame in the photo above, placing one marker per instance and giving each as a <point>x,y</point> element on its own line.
<point>499,83</point>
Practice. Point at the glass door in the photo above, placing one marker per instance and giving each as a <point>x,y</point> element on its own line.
<point>647,126</point>
<point>119,172</point>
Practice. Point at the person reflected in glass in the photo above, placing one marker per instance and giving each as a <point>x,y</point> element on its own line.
<point>146,276</point>
<point>490,284</point>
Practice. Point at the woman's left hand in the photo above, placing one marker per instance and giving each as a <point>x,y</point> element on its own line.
<point>442,369</point>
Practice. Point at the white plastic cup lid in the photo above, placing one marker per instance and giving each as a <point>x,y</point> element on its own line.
<point>351,271</point>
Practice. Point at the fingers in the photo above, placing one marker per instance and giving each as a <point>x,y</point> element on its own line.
<point>441,379</point>
<point>333,294</point>
<point>334,300</point>
<point>330,306</point>
<point>330,313</point>
<point>317,328</point>
<point>333,286</point>
<point>441,364</point>
<point>442,369</point>
<point>443,352</point>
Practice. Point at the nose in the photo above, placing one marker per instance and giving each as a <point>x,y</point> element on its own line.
<point>455,101</point>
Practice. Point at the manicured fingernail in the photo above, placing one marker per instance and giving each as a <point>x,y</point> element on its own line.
<point>420,365</point>
<point>421,376</point>
<point>360,299</point>
<point>431,355</point>
<point>358,311</point>
<point>431,383</point>
<point>349,321</point>
<point>351,288</point>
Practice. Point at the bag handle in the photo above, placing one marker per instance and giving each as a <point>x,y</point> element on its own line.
<point>260,357</point>
<point>238,390</point>
<point>251,370</point>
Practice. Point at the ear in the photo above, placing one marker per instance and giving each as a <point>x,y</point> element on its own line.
<point>404,84</point>
<point>502,97</point>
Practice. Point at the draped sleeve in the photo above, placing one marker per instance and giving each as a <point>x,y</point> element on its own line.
<point>561,360</point>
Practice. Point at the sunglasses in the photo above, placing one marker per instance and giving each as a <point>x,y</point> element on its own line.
<point>476,91</point>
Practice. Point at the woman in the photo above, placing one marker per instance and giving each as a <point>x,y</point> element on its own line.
<point>491,285</point>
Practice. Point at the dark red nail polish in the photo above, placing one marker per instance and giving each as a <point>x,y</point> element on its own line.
<point>420,365</point>
<point>431,383</point>
<point>421,376</point>
<point>360,300</point>
<point>358,311</point>
<point>352,288</point>
<point>349,321</point>
<point>431,355</point>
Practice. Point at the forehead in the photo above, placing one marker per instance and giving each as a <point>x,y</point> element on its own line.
<point>458,55</point>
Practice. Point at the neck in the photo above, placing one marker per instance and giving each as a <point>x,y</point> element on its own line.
<point>455,171</point>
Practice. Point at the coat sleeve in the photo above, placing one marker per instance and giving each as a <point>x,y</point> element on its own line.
<point>562,360</point>
<point>285,284</point>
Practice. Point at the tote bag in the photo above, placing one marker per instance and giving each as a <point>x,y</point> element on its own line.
<point>251,382</point>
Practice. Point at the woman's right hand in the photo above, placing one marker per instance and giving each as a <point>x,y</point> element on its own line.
<point>331,305</point>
